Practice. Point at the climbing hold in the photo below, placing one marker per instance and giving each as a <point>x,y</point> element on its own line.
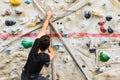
<point>10,22</point>
<point>88,44</point>
<point>8,12</point>
<point>32,25</point>
<point>87,14</point>
<point>104,57</point>
<point>108,18</point>
<point>62,7</point>
<point>18,12</point>
<point>104,41</point>
<point>119,43</point>
<point>15,2</point>
<point>68,19</point>
<point>66,35</point>
<point>92,50</point>
<point>101,69</point>
<point>26,43</point>
<point>47,64</point>
<point>96,13</point>
<point>48,76</point>
<point>110,30</point>
<point>60,30</point>
<point>27,1</point>
<point>21,48</point>
<point>6,1</point>
<point>83,66</point>
<point>9,50</point>
<point>102,29</point>
<point>101,23</point>
<point>4,36</point>
<point>57,45</point>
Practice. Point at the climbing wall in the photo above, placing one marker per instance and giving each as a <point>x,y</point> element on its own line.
<point>84,34</point>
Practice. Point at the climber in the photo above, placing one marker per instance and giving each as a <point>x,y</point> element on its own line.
<point>38,57</point>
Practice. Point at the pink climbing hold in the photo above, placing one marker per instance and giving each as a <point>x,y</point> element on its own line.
<point>102,29</point>
<point>4,36</point>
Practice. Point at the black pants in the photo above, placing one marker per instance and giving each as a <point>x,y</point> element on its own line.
<point>26,76</point>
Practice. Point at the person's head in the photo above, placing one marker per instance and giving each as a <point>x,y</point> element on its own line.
<point>44,42</point>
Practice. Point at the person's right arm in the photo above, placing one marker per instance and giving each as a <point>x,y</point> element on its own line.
<point>51,53</point>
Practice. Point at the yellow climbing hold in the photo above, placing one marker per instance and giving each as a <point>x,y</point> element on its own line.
<point>15,2</point>
<point>96,13</point>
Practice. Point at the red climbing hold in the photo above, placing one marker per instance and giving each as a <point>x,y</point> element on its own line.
<point>102,29</point>
<point>101,23</point>
<point>4,36</point>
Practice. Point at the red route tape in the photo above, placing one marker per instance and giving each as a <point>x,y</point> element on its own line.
<point>69,35</point>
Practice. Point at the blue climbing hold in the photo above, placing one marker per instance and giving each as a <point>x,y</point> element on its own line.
<point>27,1</point>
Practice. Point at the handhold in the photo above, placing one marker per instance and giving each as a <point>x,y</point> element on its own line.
<point>104,57</point>
<point>101,23</point>
<point>9,50</point>
<point>15,2</point>
<point>66,35</point>
<point>68,19</point>
<point>96,13</point>
<point>57,45</point>
<point>92,50</point>
<point>62,7</point>
<point>87,14</point>
<point>48,76</point>
<point>102,29</point>
<point>119,43</point>
<point>26,43</point>
<point>108,18</point>
<point>57,1</point>
<point>110,30</point>
<point>4,36</point>
<point>88,44</point>
<point>101,69</point>
<point>60,30</point>
<point>27,1</point>
<point>104,41</point>
<point>10,22</point>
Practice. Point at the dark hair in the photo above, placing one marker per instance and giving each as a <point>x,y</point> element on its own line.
<point>44,42</point>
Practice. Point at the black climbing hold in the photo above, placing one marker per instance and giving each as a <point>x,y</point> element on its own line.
<point>13,22</point>
<point>83,66</point>
<point>92,50</point>
<point>57,22</point>
<point>18,12</point>
<point>87,14</point>
<point>7,23</point>
<point>10,22</point>
<point>110,30</point>
<point>108,18</point>
<point>61,23</point>
<point>119,43</point>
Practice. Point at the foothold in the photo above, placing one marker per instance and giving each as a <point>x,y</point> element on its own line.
<point>62,7</point>
<point>10,22</point>
<point>110,30</point>
<point>101,69</point>
<point>66,59</point>
<point>88,44</point>
<point>91,2</point>
<point>18,12</point>
<point>66,35</point>
<point>26,43</point>
<point>119,43</point>
<point>9,50</point>
<point>15,2</point>
<point>87,14</point>
<point>104,57</point>
<point>47,64</point>
<point>4,36</point>
<point>15,31</point>
<point>21,48</point>
<point>104,41</point>
<point>92,50</point>
<point>108,18</point>
<point>48,76</point>
<point>96,13</point>
<point>104,6</point>
<point>57,45</point>
<point>68,19</point>
<point>102,29</point>
<point>61,30</point>
<point>27,1</point>
<point>101,23</point>
<point>60,22</point>
<point>83,66</point>
<point>57,22</point>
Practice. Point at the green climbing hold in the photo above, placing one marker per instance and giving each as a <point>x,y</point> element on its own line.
<point>104,57</point>
<point>26,43</point>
